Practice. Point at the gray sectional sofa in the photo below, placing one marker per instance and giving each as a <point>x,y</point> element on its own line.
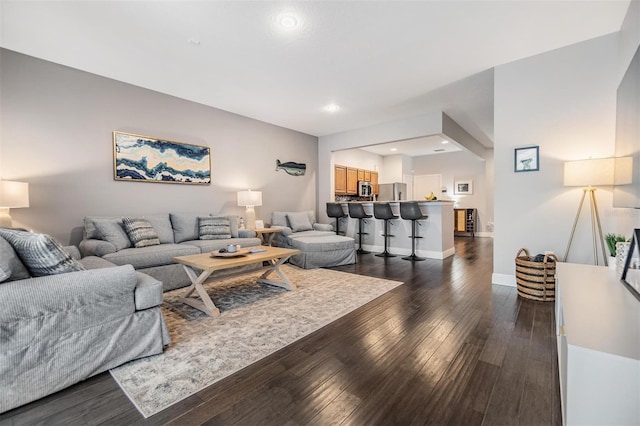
<point>179,235</point>
<point>318,243</point>
<point>57,330</point>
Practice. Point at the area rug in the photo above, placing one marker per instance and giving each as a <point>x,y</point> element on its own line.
<point>256,320</point>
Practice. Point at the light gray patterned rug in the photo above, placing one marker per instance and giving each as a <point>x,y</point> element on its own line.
<point>255,321</point>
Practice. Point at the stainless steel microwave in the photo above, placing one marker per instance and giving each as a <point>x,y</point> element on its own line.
<point>365,189</point>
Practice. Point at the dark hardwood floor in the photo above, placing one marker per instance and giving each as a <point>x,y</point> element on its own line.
<point>446,347</point>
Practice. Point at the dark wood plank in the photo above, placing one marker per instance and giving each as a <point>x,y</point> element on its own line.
<point>446,347</point>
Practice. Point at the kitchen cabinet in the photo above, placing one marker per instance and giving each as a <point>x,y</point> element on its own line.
<point>340,178</point>
<point>374,182</point>
<point>361,174</point>
<point>352,181</point>
<point>464,221</point>
<point>367,175</point>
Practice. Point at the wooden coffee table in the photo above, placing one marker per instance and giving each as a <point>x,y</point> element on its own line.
<point>199,268</point>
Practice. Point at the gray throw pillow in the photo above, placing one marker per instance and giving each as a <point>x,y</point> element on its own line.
<point>112,230</point>
<point>41,254</point>
<point>214,228</point>
<point>11,267</point>
<point>279,219</point>
<point>185,226</point>
<point>140,232</point>
<point>299,221</point>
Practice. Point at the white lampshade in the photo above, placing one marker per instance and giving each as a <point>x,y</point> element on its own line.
<point>14,194</point>
<point>249,198</point>
<point>623,174</point>
<point>592,172</point>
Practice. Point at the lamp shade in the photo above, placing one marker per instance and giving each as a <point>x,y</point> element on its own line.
<point>592,172</point>
<point>14,194</point>
<point>249,198</point>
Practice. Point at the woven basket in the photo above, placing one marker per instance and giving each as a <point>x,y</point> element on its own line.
<point>536,280</point>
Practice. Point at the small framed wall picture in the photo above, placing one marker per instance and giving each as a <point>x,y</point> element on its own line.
<point>526,159</point>
<point>463,187</point>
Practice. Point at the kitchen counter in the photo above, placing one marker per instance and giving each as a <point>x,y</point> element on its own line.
<point>436,231</point>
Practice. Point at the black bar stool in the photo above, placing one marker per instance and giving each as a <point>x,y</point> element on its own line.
<point>335,211</point>
<point>383,211</point>
<point>356,211</point>
<point>411,211</point>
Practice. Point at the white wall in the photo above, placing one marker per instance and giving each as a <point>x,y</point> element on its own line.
<point>394,167</point>
<point>564,102</point>
<point>359,159</point>
<point>56,129</point>
<point>456,166</point>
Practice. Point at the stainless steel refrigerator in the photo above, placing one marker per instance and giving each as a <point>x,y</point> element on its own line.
<point>392,191</point>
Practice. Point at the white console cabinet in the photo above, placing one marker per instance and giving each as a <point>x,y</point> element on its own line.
<point>598,331</point>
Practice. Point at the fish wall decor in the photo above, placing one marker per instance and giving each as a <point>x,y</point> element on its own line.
<point>294,169</point>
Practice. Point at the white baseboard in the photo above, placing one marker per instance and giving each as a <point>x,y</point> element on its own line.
<point>484,234</point>
<point>503,279</point>
<point>429,254</point>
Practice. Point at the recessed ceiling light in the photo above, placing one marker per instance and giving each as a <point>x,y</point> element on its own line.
<point>393,149</point>
<point>332,108</point>
<point>288,21</point>
<point>194,41</point>
<point>445,141</point>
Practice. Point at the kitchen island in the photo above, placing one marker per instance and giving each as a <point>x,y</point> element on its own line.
<point>436,231</point>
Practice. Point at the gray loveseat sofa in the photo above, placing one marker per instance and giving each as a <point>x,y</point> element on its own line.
<point>179,235</point>
<point>318,243</point>
<point>58,330</point>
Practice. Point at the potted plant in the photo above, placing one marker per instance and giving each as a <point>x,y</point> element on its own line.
<point>612,240</point>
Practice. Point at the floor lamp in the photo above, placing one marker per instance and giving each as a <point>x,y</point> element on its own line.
<point>589,173</point>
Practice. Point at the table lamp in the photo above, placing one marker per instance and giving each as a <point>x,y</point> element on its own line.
<point>250,199</point>
<point>12,195</point>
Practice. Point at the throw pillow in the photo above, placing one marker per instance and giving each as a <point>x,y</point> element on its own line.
<point>41,254</point>
<point>113,231</point>
<point>11,267</point>
<point>299,221</point>
<point>214,228</point>
<point>140,232</point>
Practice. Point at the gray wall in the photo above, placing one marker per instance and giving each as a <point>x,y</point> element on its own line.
<point>56,134</point>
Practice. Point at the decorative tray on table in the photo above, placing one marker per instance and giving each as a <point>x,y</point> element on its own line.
<point>237,253</point>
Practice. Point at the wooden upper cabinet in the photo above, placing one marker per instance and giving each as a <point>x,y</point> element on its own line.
<point>374,182</point>
<point>340,180</point>
<point>361,174</point>
<point>367,175</point>
<point>352,181</point>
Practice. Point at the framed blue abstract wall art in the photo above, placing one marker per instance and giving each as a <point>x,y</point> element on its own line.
<point>138,158</point>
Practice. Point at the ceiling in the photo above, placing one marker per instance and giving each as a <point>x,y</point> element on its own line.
<point>427,145</point>
<point>379,60</point>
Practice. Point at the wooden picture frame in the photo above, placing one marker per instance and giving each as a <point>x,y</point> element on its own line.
<point>526,159</point>
<point>463,187</point>
<point>138,158</point>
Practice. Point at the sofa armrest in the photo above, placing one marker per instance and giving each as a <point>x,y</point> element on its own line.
<point>286,231</point>
<point>60,305</point>
<point>148,292</point>
<point>246,233</point>
<point>322,227</point>
<point>98,248</point>
<point>73,252</point>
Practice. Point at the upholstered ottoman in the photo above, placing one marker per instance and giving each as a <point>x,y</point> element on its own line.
<point>320,251</point>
